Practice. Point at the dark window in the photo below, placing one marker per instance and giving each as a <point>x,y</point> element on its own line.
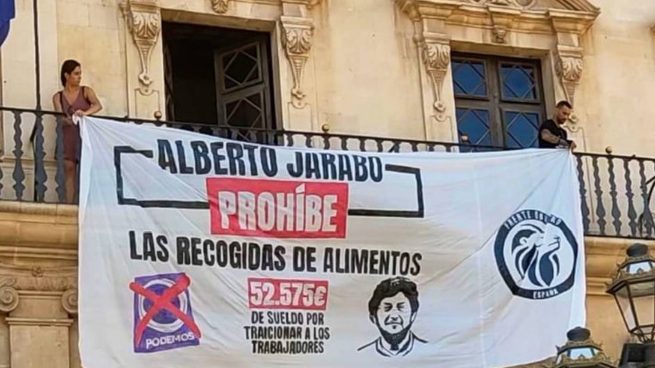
<point>499,100</point>
<point>219,77</point>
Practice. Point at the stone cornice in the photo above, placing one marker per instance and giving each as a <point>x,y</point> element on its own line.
<point>576,18</point>
<point>308,3</point>
<point>38,253</point>
<point>60,211</point>
<point>596,286</point>
<point>39,322</point>
<point>37,228</point>
<point>602,258</point>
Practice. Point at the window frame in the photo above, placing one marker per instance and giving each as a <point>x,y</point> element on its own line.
<point>494,102</point>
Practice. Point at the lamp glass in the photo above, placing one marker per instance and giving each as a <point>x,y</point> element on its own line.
<point>623,300</point>
<point>643,299</point>
<point>577,353</point>
<point>587,352</point>
<point>636,267</point>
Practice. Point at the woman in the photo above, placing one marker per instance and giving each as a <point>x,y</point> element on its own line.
<point>73,100</point>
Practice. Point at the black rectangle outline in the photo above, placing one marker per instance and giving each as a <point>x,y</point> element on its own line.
<point>420,210</point>
<point>120,150</point>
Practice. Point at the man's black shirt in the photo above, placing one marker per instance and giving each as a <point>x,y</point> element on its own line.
<point>554,129</point>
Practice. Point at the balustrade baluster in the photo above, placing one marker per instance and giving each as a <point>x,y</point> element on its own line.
<point>583,195</point>
<point>40,175</point>
<point>18,174</point>
<point>632,214</point>
<point>600,209</point>
<point>616,212</point>
<point>60,175</point>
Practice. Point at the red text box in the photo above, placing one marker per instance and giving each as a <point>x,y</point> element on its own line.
<point>277,208</point>
<point>266,293</point>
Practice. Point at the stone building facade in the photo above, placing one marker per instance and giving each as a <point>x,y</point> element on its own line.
<point>480,71</point>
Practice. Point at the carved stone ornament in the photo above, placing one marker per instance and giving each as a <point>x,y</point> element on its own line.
<point>38,278</point>
<point>502,21</point>
<point>8,294</point>
<point>500,35</point>
<point>69,301</point>
<point>524,4</point>
<point>220,6</point>
<point>144,22</point>
<point>569,70</point>
<point>569,66</point>
<point>436,57</point>
<point>297,36</point>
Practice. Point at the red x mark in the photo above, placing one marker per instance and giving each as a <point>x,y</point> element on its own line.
<point>163,302</point>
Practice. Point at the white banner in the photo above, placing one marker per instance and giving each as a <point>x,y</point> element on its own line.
<point>197,251</point>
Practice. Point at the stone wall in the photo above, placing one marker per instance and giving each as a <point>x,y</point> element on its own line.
<point>38,286</point>
<point>618,79</point>
<point>374,67</point>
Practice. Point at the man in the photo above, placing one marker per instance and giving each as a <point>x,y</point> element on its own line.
<point>393,308</point>
<point>551,134</point>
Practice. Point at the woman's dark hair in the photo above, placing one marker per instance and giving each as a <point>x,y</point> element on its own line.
<point>67,68</point>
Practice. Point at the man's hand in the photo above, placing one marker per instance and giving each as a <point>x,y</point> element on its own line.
<point>573,146</point>
<point>80,113</point>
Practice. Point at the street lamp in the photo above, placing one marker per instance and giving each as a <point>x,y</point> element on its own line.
<point>633,287</point>
<point>581,352</point>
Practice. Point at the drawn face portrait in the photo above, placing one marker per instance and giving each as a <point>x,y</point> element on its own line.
<point>395,314</point>
<point>393,307</point>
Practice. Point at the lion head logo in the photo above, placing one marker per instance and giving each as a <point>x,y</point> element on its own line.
<point>536,254</point>
<point>535,257</point>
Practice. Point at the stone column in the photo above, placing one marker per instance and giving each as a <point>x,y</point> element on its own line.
<point>4,343</point>
<point>69,303</point>
<point>38,279</point>
<point>39,342</point>
<point>8,302</point>
<point>37,305</point>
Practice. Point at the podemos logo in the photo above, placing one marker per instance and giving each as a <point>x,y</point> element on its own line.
<point>163,318</point>
<point>536,254</point>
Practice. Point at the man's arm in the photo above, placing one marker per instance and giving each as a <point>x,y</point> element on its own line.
<point>552,138</point>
